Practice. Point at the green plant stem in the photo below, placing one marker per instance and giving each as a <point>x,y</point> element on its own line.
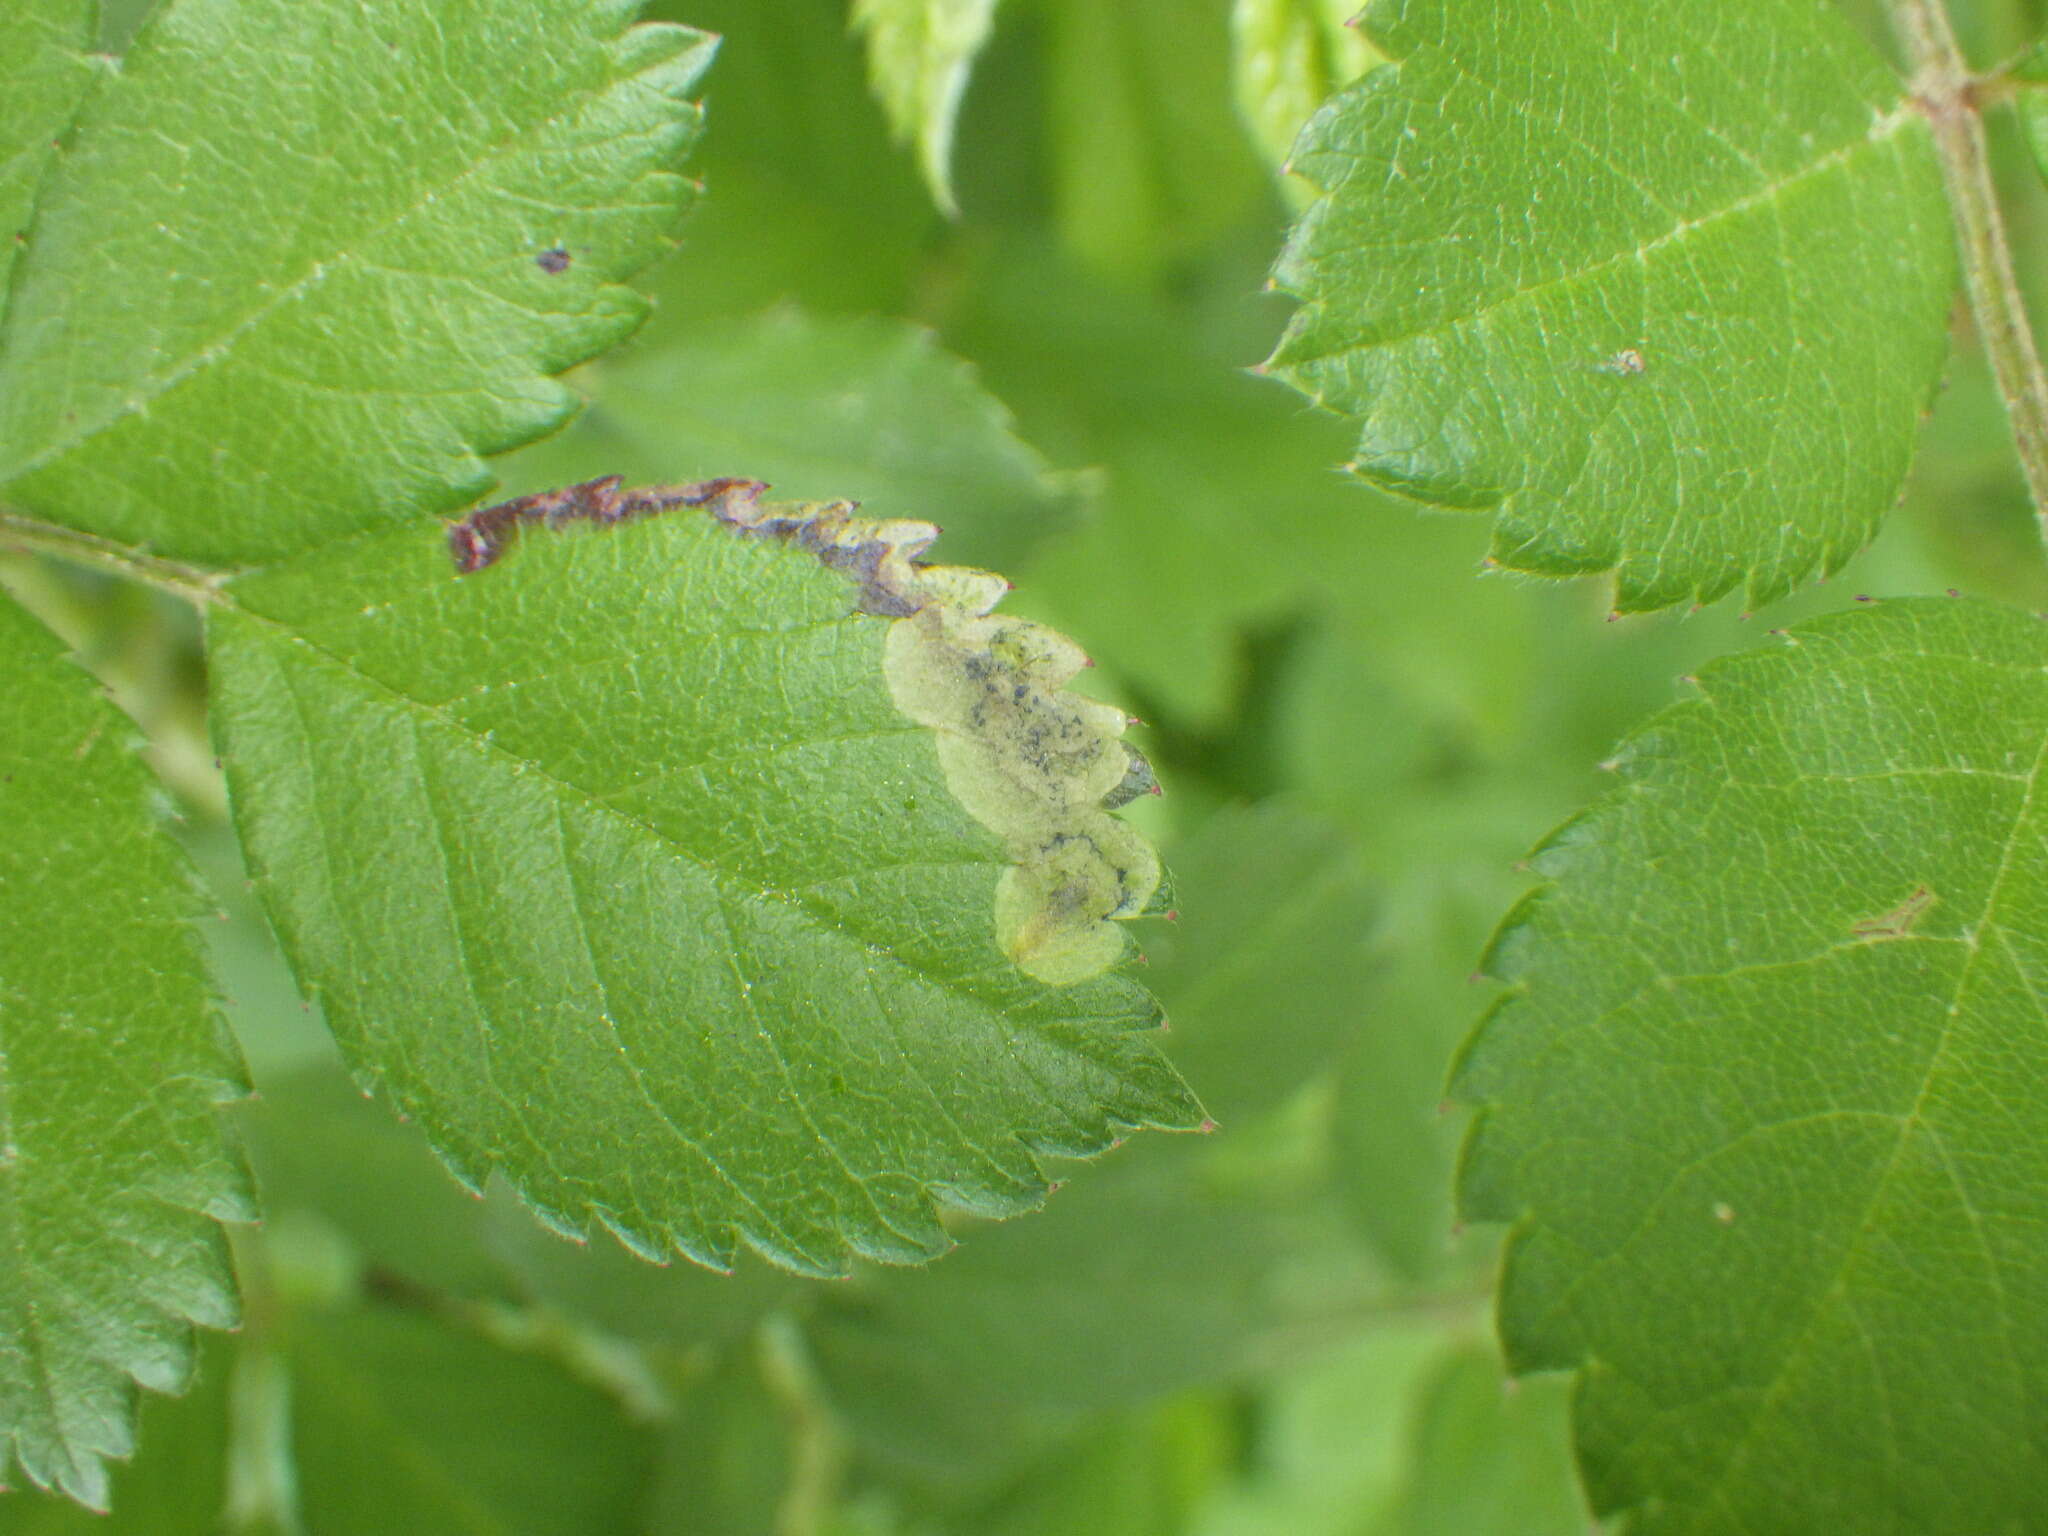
<point>817,1444</point>
<point>1946,93</point>
<point>189,582</point>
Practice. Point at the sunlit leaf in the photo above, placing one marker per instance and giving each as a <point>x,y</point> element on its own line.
<point>1695,347</point>
<point>114,1065</point>
<point>655,867</point>
<point>300,262</point>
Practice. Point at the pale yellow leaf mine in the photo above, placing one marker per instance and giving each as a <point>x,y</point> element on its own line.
<point>1040,767</point>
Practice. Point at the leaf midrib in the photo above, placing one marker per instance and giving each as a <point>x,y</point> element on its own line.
<point>1911,1123</point>
<point>1883,131</point>
<point>727,883</point>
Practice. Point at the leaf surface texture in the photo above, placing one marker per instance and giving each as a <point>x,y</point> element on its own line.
<point>114,1173</point>
<point>618,867</point>
<point>1765,1099</point>
<point>298,263</point>
<point>1663,286</point>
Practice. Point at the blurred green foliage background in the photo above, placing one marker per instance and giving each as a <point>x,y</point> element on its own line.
<point>1275,1329</point>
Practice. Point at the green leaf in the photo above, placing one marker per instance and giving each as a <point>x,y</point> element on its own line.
<point>1289,56</point>
<point>810,204</point>
<point>320,1150</point>
<point>1395,1147</point>
<point>114,1173</point>
<point>301,261</point>
<point>176,1484</point>
<point>1329,1453</point>
<point>919,55</point>
<point>865,408</point>
<point>679,1306</point>
<point>1261,973</point>
<point>402,1423</point>
<point>1141,1472</point>
<point>1148,161</point>
<point>727,1462</point>
<point>1166,1270</point>
<point>1766,1098</point>
<point>1489,1458</point>
<point>2030,74</point>
<point>637,866</point>
<point>1694,349</point>
<point>1169,569</point>
<point>1218,516</point>
<point>45,75</point>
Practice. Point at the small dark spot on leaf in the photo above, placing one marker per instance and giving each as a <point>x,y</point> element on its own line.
<point>553,259</point>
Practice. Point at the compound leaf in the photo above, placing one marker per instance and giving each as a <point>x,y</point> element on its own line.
<point>868,408</point>
<point>919,55</point>
<point>1766,1099</point>
<point>1664,286</point>
<point>114,1173</point>
<point>657,869</point>
<point>299,262</point>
